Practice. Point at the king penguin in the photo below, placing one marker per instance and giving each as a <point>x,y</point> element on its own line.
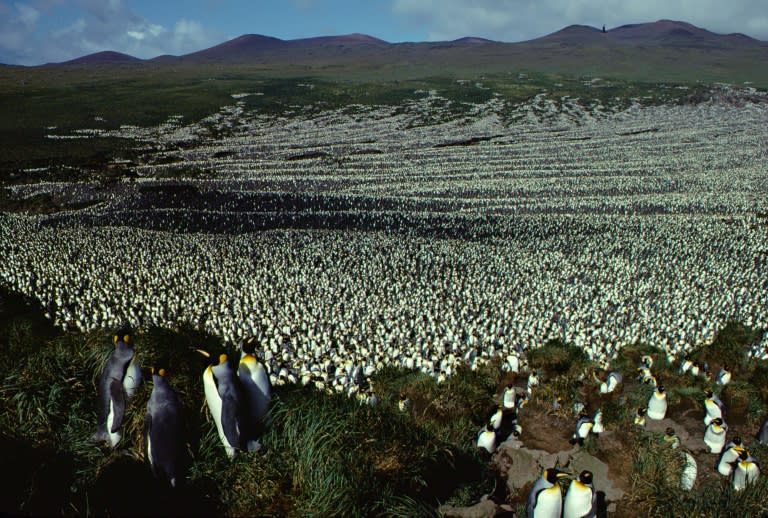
<point>121,377</point>
<point>714,436</point>
<point>223,395</point>
<point>730,453</point>
<point>509,396</point>
<point>257,390</point>
<point>486,439</point>
<point>746,471</point>
<point>164,430</point>
<point>713,407</point>
<point>583,427</point>
<point>545,499</point>
<point>580,499</point>
<point>657,404</point>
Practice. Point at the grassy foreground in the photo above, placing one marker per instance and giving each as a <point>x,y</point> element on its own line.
<point>325,455</point>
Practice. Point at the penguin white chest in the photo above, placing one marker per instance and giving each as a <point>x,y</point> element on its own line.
<point>578,500</point>
<point>657,406</point>
<point>549,503</point>
<point>714,438</point>
<point>487,440</point>
<point>713,411</point>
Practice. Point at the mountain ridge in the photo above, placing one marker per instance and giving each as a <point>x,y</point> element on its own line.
<point>662,33</point>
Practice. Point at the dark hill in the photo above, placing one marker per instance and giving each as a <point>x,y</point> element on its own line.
<point>102,58</point>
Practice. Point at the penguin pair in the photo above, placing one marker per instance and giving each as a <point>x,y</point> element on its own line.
<point>164,430</point>
<point>545,499</point>
<point>238,400</point>
<point>729,456</point>
<point>745,471</point>
<point>119,381</point>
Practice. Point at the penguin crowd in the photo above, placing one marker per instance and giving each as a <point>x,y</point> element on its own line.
<point>333,317</point>
<point>237,395</point>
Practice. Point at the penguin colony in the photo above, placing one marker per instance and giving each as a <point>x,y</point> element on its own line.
<point>587,236</point>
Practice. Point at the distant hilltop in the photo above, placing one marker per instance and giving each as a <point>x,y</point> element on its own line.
<point>263,49</point>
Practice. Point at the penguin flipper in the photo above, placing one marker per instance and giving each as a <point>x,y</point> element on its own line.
<point>117,397</point>
<point>230,422</point>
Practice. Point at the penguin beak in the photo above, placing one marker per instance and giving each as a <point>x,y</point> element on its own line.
<point>562,474</point>
<point>204,353</point>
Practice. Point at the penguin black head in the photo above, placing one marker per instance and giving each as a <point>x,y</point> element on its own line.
<point>708,393</point>
<point>736,441</point>
<point>661,389</point>
<point>249,345</point>
<point>717,421</point>
<point>552,474</point>
<point>669,431</point>
<point>743,455</point>
<point>641,411</point>
<point>510,386</point>
<point>585,477</point>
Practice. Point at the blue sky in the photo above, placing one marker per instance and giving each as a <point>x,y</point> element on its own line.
<point>38,31</point>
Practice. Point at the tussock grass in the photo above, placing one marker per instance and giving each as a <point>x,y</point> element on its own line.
<point>729,347</point>
<point>556,358</point>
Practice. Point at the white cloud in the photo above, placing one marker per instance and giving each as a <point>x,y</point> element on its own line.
<point>28,15</point>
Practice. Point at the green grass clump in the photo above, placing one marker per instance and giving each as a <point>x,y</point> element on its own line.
<point>556,357</point>
<point>728,347</point>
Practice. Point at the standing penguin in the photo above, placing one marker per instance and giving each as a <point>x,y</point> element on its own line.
<point>545,499</point>
<point>509,396</point>
<point>121,377</point>
<point>746,471</point>
<point>730,453</point>
<point>257,390</point>
<point>657,404</point>
<point>583,427</point>
<point>486,439</point>
<point>713,407</point>
<point>580,499</point>
<point>714,436</point>
<point>163,430</point>
<point>223,395</point>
